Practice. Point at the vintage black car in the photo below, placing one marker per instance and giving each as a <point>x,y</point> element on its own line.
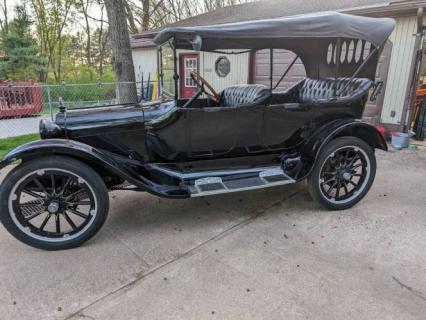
<point>242,138</point>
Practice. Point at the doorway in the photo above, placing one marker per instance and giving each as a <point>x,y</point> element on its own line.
<point>188,62</point>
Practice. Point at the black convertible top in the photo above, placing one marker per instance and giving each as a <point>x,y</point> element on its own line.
<point>279,32</point>
<point>330,44</point>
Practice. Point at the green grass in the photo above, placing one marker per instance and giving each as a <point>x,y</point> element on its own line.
<point>8,144</point>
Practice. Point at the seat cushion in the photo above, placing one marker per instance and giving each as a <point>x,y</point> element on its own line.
<point>244,95</point>
<point>314,90</point>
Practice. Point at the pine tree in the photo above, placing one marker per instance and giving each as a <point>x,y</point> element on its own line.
<point>19,53</point>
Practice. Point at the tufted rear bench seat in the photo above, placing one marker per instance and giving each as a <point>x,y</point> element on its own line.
<point>322,90</point>
<point>306,91</point>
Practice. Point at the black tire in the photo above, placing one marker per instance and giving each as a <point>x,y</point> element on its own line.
<point>76,193</point>
<point>326,185</point>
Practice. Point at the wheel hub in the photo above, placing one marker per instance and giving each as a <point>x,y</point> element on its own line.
<point>346,175</point>
<point>53,207</point>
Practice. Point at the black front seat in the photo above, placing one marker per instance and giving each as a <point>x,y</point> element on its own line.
<point>244,95</point>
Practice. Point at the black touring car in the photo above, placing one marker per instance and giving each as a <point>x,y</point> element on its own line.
<point>242,138</point>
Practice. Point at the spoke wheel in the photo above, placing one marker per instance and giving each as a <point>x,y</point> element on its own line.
<point>53,202</point>
<point>343,173</point>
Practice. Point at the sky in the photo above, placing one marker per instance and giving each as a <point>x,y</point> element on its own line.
<point>95,12</point>
<point>10,5</point>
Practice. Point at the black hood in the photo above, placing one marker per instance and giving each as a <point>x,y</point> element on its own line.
<point>100,115</point>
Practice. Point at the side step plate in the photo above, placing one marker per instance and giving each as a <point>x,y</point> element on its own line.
<point>256,180</point>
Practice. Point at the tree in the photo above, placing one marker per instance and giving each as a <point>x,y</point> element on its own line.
<point>143,15</point>
<point>4,23</point>
<point>121,53</point>
<point>84,5</point>
<point>20,57</point>
<point>52,17</point>
<point>211,5</point>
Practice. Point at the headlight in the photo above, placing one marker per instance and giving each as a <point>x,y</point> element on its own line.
<point>48,129</point>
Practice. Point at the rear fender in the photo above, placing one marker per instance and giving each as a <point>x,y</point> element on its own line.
<point>85,153</point>
<point>339,128</point>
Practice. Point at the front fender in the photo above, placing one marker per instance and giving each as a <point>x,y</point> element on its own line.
<point>55,146</point>
<point>338,128</point>
<point>89,155</point>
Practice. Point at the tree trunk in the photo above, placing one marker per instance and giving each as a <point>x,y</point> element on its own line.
<point>84,9</point>
<point>146,17</point>
<point>121,53</point>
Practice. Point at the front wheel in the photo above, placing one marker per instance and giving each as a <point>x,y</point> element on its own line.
<point>343,173</point>
<point>53,203</point>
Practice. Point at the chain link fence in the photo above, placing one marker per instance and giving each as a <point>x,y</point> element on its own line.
<point>24,104</point>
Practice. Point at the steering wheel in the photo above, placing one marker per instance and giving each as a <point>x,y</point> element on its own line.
<point>201,83</point>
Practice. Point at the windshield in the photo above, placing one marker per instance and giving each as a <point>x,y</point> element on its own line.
<point>168,87</point>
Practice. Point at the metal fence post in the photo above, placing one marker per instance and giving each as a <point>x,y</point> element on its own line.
<point>99,90</point>
<point>49,102</point>
<point>117,94</point>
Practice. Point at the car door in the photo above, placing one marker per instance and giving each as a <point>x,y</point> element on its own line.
<point>250,122</point>
<point>284,124</point>
<point>226,131</point>
<point>214,131</point>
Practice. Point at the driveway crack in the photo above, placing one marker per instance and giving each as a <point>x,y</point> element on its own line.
<point>145,264</point>
<point>416,293</point>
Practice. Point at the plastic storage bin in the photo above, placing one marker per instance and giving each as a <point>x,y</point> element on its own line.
<point>401,140</point>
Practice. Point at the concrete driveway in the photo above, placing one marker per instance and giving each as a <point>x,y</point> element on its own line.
<point>269,254</point>
<point>20,126</point>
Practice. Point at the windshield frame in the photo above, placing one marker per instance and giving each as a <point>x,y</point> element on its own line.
<point>175,76</point>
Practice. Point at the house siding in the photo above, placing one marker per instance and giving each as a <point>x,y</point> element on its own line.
<point>239,69</point>
<point>399,71</point>
<point>237,75</point>
<point>145,61</point>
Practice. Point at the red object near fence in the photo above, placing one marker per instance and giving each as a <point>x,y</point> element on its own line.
<point>20,99</point>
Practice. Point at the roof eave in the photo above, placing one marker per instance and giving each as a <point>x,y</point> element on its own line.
<point>387,9</point>
<point>395,9</point>
<point>143,47</point>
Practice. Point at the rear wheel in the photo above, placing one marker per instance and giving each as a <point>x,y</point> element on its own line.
<point>343,173</point>
<point>53,203</point>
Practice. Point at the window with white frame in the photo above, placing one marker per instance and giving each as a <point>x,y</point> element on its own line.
<point>190,65</point>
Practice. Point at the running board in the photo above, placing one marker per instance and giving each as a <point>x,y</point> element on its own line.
<point>209,182</point>
<point>211,185</point>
